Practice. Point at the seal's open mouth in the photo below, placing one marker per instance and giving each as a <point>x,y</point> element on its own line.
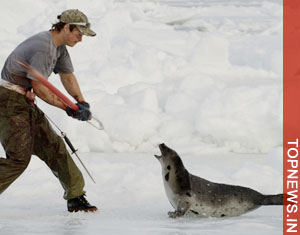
<point>162,148</point>
<point>158,157</point>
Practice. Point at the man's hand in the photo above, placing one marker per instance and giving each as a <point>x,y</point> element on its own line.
<point>82,114</point>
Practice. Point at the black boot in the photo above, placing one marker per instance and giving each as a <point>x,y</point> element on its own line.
<point>80,204</point>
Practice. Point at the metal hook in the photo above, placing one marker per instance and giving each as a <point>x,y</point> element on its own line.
<point>98,124</point>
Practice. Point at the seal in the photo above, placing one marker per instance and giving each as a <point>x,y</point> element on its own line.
<point>190,194</point>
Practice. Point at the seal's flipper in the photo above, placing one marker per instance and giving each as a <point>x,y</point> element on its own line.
<point>182,208</point>
<point>272,200</point>
<point>175,214</point>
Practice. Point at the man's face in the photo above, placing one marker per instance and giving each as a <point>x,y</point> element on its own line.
<point>73,37</point>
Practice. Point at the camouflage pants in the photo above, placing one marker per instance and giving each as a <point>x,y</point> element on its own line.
<point>24,131</point>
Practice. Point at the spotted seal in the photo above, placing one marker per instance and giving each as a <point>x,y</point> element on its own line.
<point>190,194</point>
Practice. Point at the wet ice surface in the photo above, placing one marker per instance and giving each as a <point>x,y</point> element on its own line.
<point>131,198</point>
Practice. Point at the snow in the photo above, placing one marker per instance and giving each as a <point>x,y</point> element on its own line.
<point>204,77</point>
<point>130,195</point>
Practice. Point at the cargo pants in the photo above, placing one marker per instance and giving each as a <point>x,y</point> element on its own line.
<point>24,131</point>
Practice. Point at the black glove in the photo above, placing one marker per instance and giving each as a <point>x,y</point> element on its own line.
<point>83,113</point>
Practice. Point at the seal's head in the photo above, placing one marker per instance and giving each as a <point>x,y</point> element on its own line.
<point>169,157</point>
<point>174,173</point>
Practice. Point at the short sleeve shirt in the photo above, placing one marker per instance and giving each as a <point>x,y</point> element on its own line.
<point>41,53</point>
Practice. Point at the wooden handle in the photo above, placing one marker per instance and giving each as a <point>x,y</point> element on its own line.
<point>34,73</point>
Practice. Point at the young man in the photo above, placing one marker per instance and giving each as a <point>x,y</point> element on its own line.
<point>24,130</point>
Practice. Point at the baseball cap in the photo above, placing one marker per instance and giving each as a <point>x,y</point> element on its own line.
<point>76,17</point>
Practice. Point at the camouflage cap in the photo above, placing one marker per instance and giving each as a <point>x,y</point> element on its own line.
<point>76,17</point>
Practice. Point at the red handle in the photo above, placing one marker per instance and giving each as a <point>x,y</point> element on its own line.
<point>34,73</point>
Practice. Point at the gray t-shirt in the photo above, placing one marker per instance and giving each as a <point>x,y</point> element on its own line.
<point>41,53</point>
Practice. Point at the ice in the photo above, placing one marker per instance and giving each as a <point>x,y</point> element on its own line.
<point>130,195</point>
<point>204,77</point>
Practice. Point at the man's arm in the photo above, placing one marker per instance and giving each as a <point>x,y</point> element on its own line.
<point>48,96</point>
<point>70,83</point>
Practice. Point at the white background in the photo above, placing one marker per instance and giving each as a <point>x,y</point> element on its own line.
<point>204,77</point>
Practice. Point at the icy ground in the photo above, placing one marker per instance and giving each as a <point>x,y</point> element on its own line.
<point>131,199</point>
<point>205,77</point>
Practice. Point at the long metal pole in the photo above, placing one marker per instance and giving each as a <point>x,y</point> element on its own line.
<point>75,152</point>
<point>67,140</point>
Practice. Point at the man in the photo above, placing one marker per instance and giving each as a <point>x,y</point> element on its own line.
<point>24,130</point>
